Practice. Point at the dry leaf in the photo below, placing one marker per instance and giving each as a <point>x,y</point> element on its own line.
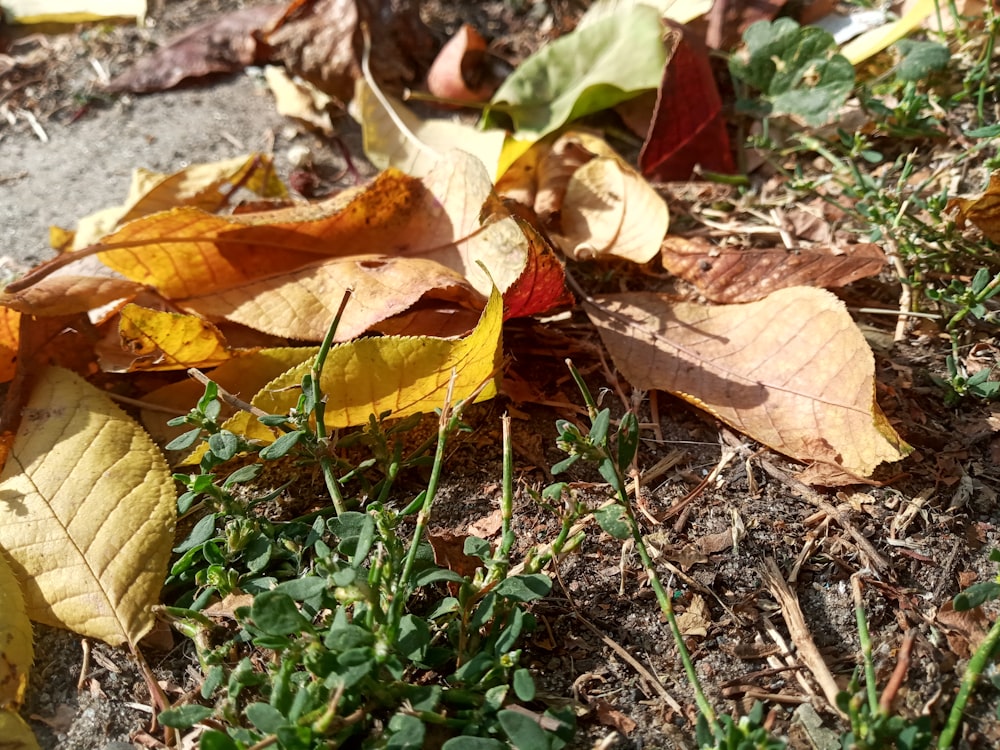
<point>459,72</point>
<point>299,99</point>
<point>222,45</point>
<point>16,641</point>
<point>300,304</point>
<point>397,375</point>
<point>695,620</point>
<point>10,322</point>
<point>791,371</point>
<point>156,340</point>
<point>88,512</point>
<point>65,294</point>
<point>726,275</point>
<point>321,41</point>
<point>983,211</point>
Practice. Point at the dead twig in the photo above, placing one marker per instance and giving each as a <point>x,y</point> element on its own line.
<point>799,631</point>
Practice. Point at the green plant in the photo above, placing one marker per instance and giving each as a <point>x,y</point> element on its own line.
<point>974,596</point>
<point>342,629</point>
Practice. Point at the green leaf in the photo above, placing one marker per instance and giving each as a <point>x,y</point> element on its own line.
<point>183,717</point>
<point>628,441</point>
<point>348,637</point>
<point>185,440</point>
<point>434,575</point>
<point>599,427</point>
<point>588,70</point>
<point>977,594</point>
<point>610,519</point>
<point>919,59</point>
<point>275,613</point>
<point>224,444</point>
<point>406,732</point>
<point>476,547</point>
<point>525,588</point>
<point>280,447</point>
<point>796,69</point>
<point>524,684</point>
<point>473,743</point>
<point>301,589</point>
<point>414,636</point>
<point>523,731</point>
<point>243,474</point>
<point>213,740</point>
<point>265,717</point>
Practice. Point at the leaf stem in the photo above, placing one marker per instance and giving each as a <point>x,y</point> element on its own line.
<point>319,409</point>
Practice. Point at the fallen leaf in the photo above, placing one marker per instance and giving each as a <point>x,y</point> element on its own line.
<point>965,630</point>
<point>299,99</point>
<point>542,284</point>
<point>16,641</point>
<point>611,717</point>
<point>10,321</point>
<point>157,340</point>
<point>459,72</point>
<point>321,41</point>
<point>449,553</point>
<point>71,11</point>
<point>222,45</point>
<point>592,68</point>
<point>792,371</point>
<point>687,128</point>
<point>88,511</point>
<point>983,211</point>
<point>725,275</point>
<point>393,375</point>
<point>695,620</point>
<point>17,735</point>
<point>395,137</point>
<point>300,304</point>
<point>67,294</point>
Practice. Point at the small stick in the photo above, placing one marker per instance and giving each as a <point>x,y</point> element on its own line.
<point>899,673</point>
<point>227,397</point>
<point>799,631</point>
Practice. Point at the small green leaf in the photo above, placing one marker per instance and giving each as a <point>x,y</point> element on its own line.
<point>565,464</point>
<point>224,444</point>
<point>280,447</point>
<point>201,533</point>
<point>436,575</point>
<point>243,474</point>
<point>524,684</point>
<point>275,613</point>
<point>301,589</point>
<point>919,59</point>
<point>525,588</point>
<point>184,717</point>
<point>476,547</point>
<point>406,733</point>
<point>185,440</point>
<point>977,594</point>
<point>414,637</point>
<point>523,731</point>
<point>265,717</point>
<point>473,743</point>
<point>213,740</point>
<point>628,440</point>
<point>599,427</point>
<point>610,518</point>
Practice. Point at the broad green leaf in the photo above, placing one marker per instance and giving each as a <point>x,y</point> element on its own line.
<point>88,512</point>
<point>593,68</point>
<point>796,69</point>
<point>920,59</point>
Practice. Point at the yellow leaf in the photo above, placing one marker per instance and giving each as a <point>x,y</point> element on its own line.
<point>71,11</point>
<point>169,341</point>
<point>87,512</point>
<point>401,375</point>
<point>16,644</point>
<point>15,733</point>
<point>791,371</point>
<point>10,322</point>
<point>872,42</point>
<point>395,137</point>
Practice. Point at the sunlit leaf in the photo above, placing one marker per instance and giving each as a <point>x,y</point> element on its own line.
<point>87,508</point>
<point>16,640</point>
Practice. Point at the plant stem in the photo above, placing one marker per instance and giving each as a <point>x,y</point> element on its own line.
<point>866,645</point>
<point>319,409</point>
<point>976,665</point>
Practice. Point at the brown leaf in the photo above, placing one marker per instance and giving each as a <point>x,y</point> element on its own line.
<point>460,71</point>
<point>66,294</point>
<point>965,630</point>
<point>688,129</point>
<point>321,41</point>
<point>223,45</point>
<point>983,211</point>
<point>449,552</point>
<point>791,371</point>
<point>725,275</point>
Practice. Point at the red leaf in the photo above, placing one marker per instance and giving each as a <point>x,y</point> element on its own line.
<point>542,284</point>
<point>687,128</point>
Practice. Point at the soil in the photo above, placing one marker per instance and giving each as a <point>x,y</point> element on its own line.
<point>67,150</point>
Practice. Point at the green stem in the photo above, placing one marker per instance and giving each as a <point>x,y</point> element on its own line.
<point>975,668</point>
<point>866,645</point>
<point>319,409</point>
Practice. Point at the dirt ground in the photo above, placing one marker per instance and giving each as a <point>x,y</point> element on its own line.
<point>67,150</point>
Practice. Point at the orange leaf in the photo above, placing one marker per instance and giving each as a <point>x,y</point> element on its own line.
<point>983,211</point>
<point>65,295</point>
<point>10,321</point>
<point>791,371</point>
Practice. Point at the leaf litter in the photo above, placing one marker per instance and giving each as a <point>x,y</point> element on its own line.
<point>712,522</point>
